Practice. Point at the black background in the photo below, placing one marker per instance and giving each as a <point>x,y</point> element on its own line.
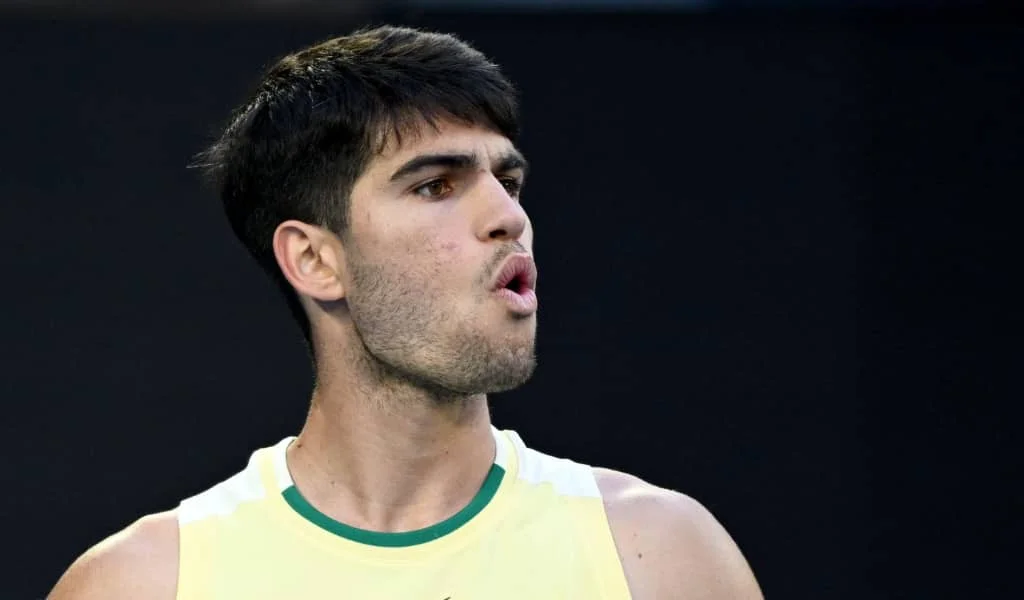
<point>778,258</point>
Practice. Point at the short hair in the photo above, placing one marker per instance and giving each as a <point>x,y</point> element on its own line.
<point>318,116</point>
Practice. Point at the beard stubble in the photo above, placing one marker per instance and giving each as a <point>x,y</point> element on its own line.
<point>412,333</point>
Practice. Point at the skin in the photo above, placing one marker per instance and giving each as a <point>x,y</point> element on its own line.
<point>409,340</point>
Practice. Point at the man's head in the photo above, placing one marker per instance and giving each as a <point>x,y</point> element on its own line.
<point>375,178</point>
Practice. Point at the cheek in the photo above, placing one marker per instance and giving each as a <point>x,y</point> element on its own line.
<point>453,265</point>
<point>443,258</point>
<point>433,258</point>
<point>448,248</point>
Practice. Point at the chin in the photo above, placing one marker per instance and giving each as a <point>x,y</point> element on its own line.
<point>516,374</point>
<point>490,373</point>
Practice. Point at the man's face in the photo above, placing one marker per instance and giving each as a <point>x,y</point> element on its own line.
<point>434,222</point>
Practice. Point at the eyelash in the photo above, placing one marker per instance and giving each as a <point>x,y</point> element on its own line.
<point>512,185</point>
<point>418,190</point>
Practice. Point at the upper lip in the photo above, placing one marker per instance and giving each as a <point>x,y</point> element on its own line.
<point>517,266</point>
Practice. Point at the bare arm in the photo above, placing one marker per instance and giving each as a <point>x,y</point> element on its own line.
<point>139,563</point>
<point>671,547</point>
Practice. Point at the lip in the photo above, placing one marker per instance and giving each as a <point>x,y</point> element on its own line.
<point>522,301</point>
<point>516,265</point>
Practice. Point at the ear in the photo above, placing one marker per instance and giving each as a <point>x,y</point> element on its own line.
<point>311,260</point>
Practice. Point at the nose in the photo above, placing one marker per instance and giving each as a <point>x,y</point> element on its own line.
<point>501,217</point>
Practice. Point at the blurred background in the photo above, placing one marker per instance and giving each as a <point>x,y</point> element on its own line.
<point>777,245</point>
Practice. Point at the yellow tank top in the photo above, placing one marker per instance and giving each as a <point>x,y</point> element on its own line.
<point>536,530</point>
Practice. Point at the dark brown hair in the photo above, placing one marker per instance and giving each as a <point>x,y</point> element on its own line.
<point>318,116</point>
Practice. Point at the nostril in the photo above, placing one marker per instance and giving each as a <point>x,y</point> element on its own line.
<point>499,234</point>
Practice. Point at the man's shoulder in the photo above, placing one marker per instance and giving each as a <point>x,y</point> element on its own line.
<point>138,562</point>
<point>628,497</point>
<point>670,544</point>
<point>641,508</point>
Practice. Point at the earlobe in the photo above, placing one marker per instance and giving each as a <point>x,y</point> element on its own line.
<point>310,259</point>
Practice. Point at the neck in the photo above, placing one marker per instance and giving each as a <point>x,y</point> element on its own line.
<point>389,457</point>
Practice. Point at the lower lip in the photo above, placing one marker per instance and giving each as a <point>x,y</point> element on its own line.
<point>522,303</point>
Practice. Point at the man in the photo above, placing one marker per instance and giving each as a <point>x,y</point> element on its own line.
<point>375,177</point>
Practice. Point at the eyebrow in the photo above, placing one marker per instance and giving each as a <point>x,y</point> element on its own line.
<point>508,161</point>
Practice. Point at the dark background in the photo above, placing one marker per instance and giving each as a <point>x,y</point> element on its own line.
<point>778,255</point>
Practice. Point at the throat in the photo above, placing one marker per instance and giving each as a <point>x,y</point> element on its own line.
<point>381,476</point>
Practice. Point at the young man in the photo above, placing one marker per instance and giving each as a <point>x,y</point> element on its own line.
<point>375,177</point>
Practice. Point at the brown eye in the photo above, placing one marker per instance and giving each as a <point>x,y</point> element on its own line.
<point>512,185</point>
<point>437,188</point>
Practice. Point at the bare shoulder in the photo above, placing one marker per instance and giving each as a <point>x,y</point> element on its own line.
<point>138,562</point>
<point>671,546</point>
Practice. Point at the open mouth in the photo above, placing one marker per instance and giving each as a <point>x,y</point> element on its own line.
<point>515,283</point>
<point>518,274</point>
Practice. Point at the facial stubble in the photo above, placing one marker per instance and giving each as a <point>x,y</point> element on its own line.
<point>412,333</point>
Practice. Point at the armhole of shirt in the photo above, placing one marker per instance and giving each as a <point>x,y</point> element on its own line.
<point>192,576</point>
<point>577,484</point>
<point>199,520</point>
<point>611,570</point>
<point>596,529</point>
